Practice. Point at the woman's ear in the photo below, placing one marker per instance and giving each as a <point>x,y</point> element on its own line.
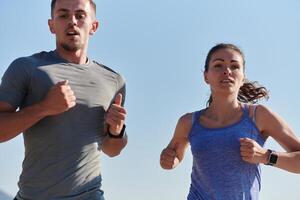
<point>205,77</point>
<point>244,79</point>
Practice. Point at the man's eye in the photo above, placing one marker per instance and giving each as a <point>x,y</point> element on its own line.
<point>218,66</point>
<point>63,16</point>
<point>80,16</point>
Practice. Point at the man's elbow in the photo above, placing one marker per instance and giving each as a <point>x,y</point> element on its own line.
<point>113,149</point>
<point>2,140</point>
<point>112,152</point>
<point>4,137</point>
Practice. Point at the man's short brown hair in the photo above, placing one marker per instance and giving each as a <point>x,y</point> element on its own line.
<point>54,1</point>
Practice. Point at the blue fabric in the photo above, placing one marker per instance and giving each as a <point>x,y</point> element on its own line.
<point>218,172</point>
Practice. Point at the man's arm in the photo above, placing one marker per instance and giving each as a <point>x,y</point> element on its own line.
<point>115,119</point>
<point>113,146</point>
<point>12,123</point>
<point>60,98</point>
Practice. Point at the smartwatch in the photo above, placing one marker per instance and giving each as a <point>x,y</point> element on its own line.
<point>273,157</point>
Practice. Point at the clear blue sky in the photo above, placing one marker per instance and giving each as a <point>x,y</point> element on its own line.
<point>160,47</point>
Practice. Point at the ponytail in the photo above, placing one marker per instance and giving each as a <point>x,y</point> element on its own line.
<point>249,92</point>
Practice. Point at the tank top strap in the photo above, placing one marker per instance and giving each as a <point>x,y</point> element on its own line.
<point>245,108</point>
<point>196,115</point>
<point>247,112</point>
<point>254,113</point>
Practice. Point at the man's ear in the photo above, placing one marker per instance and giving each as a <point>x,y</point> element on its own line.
<point>94,27</point>
<point>51,27</point>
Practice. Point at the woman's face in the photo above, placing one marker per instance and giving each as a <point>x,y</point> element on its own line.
<point>225,71</point>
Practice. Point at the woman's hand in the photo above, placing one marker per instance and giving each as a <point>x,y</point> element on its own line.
<point>168,158</point>
<point>252,152</point>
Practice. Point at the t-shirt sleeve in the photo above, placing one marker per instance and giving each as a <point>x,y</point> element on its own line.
<point>14,82</point>
<point>121,88</point>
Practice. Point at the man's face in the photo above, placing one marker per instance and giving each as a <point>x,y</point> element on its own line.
<point>72,23</point>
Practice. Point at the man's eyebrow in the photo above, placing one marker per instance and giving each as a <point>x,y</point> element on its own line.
<point>80,10</point>
<point>62,10</point>
<point>66,10</point>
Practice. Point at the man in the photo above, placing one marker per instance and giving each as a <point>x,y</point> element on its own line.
<point>68,107</point>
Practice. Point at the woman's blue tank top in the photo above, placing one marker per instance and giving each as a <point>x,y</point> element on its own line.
<point>218,172</point>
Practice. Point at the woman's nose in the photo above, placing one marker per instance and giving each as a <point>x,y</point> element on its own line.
<point>227,71</point>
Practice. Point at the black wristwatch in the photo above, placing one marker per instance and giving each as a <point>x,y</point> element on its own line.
<point>273,157</point>
<point>122,133</point>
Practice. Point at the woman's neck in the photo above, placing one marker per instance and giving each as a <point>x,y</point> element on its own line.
<point>223,109</point>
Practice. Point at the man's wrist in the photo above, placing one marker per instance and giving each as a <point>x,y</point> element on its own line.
<point>121,135</point>
<point>42,110</point>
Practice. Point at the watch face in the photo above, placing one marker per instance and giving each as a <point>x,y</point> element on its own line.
<point>273,158</point>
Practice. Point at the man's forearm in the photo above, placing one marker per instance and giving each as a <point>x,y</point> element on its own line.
<point>13,123</point>
<point>113,146</point>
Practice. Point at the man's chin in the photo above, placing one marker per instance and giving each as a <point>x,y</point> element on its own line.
<point>71,48</point>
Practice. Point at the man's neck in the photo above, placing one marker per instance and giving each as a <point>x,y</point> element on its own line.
<point>76,57</point>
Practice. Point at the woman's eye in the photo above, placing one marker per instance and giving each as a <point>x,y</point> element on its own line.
<point>235,67</point>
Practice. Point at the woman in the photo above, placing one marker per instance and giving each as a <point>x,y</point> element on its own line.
<point>228,136</point>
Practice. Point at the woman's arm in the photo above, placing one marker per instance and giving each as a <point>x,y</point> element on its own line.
<point>173,154</point>
<point>271,124</point>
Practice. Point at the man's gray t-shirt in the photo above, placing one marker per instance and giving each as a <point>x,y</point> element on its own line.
<point>61,152</point>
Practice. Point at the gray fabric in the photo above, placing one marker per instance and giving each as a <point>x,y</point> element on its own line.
<point>61,152</point>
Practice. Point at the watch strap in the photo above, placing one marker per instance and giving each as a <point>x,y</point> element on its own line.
<point>122,133</point>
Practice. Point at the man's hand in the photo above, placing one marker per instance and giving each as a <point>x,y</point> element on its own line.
<point>59,99</point>
<point>115,117</point>
<point>168,158</point>
<point>252,152</point>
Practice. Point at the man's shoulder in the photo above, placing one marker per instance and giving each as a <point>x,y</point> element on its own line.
<point>112,73</point>
<point>105,67</point>
<point>34,58</point>
<point>41,54</point>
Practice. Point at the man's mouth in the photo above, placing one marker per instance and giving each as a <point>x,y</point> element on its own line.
<point>72,33</point>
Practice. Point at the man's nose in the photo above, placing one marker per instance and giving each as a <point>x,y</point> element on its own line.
<point>73,20</point>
